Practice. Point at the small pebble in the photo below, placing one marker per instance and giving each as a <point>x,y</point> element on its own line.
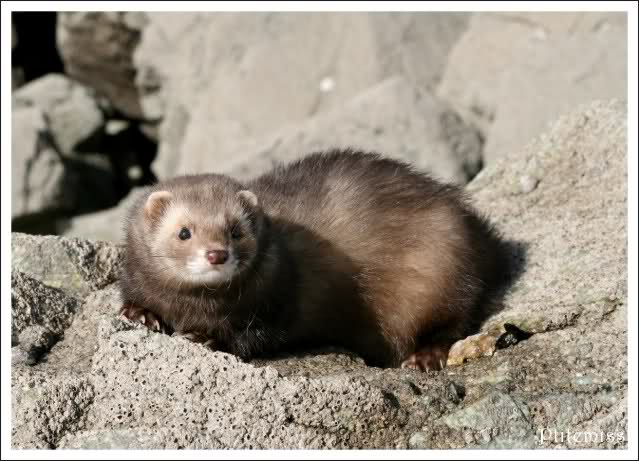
<point>528,184</point>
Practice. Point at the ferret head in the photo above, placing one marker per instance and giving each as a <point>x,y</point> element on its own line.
<point>204,233</point>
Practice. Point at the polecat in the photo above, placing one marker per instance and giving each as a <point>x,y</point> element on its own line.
<point>341,248</point>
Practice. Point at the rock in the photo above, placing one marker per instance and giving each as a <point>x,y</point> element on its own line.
<point>146,438</point>
<point>184,60</point>
<point>133,388</point>
<point>19,356</point>
<point>70,110</point>
<point>484,344</point>
<point>74,354</point>
<point>417,44</point>
<point>581,197</point>
<point>74,266</point>
<point>528,184</point>
<point>472,347</point>
<point>35,341</point>
<point>382,119</point>
<point>97,49</point>
<point>418,441</point>
<point>204,390</point>
<point>513,73</point>
<point>52,118</point>
<point>36,167</point>
<point>46,407</point>
<point>488,413</point>
<point>33,303</point>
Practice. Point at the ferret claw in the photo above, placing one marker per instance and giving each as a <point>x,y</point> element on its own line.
<point>143,316</point>
<point>409,364</point>
<point>190,336</point>
<point>197,338</point>
<point>431,358</point>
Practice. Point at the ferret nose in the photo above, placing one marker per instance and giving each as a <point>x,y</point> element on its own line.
<point>217,256</point>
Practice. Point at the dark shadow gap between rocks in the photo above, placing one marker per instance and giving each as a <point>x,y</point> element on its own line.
<point>102,171</point>
<point>36,52</point>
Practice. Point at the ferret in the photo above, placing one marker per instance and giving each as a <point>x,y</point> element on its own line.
<point>340,248</point>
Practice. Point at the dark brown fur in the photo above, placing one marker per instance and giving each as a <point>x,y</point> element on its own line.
<point>344,248</point>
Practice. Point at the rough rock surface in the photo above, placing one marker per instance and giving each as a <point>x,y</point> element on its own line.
<point>97,49</point>
<point>132,388</point>
<point>74,266</point>
<point>286,67</point>
<point>34,303</point>
<point>36,167</point>
<point>513,73</point>
<point>579,254</point>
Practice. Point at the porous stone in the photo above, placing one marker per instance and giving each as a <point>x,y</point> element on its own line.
<point>74,266</point>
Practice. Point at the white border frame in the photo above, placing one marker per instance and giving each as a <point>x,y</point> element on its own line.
<point>5,219</point>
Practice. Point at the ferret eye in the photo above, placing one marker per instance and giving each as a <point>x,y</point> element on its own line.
<point>184,234</point>
<point>236,232</point>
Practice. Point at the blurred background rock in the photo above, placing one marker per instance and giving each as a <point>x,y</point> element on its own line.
<point>107,103</point>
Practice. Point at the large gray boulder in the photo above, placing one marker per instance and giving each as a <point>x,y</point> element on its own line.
<point>97,49</point>
<point>53,120</point>
<point>71,109</point>
<point>573,221</point>
<point>513,73</point>
<point>194,68</point>
<point>112,384</point>
<point>36,166</point>
<point>393,117</point>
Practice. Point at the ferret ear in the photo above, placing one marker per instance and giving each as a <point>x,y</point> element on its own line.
<point>248,197</point>
<point>156,204</point>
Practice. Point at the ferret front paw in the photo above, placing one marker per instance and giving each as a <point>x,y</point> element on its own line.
<point>143,316</point>
<point>432,357</point>
<point>196,337</point>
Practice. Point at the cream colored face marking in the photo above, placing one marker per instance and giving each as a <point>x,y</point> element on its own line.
<point>192,265</point>
<point>219,220</point>
<point>175,216</point>
<point>199,270</point>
